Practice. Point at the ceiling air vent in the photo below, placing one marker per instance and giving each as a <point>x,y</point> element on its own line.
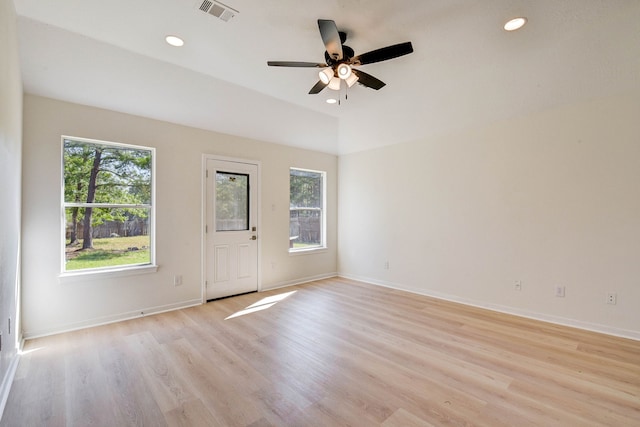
<point>218,10</point>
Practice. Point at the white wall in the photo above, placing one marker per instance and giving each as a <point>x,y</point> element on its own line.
<point>10,163</point>
<point>51,306</point>
<point>550,199</point>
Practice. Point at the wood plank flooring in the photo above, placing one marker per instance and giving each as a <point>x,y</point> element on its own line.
<point>332,352</point>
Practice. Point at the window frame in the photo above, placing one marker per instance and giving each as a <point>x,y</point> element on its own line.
<point>116,270</point>
<point>323,212</point>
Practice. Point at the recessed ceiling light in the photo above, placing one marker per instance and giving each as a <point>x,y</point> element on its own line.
<point>515,24</point>
<point>174,41</point>
<point>331,101</point>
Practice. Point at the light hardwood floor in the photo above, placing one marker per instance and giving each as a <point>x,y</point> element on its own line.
<point>333,352</point>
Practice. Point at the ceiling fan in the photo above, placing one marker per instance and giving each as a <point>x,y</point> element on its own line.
<point>340,60</point>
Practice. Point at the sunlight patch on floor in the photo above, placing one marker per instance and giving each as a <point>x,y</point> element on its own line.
<point>263,304</point>
<point>31,350</point>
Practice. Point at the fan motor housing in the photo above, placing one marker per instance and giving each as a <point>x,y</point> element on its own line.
<point>347,54</point>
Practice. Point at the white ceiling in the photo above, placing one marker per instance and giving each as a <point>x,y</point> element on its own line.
<point>465,71</point>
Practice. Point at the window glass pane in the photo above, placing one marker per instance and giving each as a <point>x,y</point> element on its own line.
<point>232,201</point>
<point>119,237</point>
<point>306,206</point>
<point>95,173</point>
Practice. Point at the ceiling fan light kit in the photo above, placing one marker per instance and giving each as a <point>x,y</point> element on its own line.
<point>326,75</point>
<point>334,83</point>
<point>344,71</point>
<point>341,60</point>
<point>351,80</point>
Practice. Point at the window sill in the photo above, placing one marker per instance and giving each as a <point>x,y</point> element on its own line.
<point>71,277</point>
<point>309,251</point>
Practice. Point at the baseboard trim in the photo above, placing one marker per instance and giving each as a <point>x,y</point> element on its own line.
<point>7,381</point>
<point>558,320</point>
<point>298,281</point>
<point>28,335</point>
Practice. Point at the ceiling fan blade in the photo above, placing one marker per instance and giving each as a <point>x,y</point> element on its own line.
<point>383,54</point>
<point>317,88</point>
<point>295,64</point>
<point>330,38</point>
<point>368,80</point>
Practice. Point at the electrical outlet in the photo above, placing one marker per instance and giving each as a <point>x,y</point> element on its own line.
<point>177,280</point>
<point>560,291</point>
<point>386,265</point>
<point>612,298</point>
<point>517,285</point>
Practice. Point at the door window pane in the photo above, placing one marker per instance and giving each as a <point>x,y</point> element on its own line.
<point>232,201</point>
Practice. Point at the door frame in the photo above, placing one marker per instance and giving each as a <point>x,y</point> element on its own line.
<point>203,218</point>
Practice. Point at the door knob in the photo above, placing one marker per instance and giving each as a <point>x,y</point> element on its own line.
<point>253,238</point>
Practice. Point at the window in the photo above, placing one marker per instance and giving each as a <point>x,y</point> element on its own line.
<point>307,222</point>
<point>108,205</point>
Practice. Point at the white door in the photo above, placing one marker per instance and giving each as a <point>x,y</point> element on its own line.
<point>231,228</point>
